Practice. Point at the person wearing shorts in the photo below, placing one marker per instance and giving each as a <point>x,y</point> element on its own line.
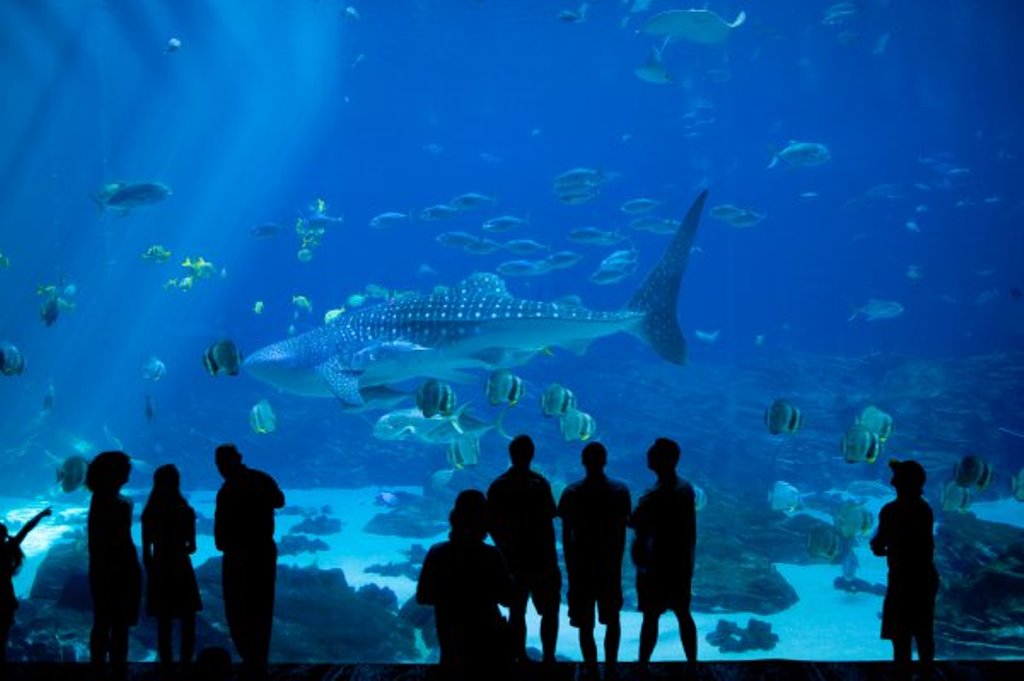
<point>521,512</point>
<point>664,548</point>
<point>594,512</point>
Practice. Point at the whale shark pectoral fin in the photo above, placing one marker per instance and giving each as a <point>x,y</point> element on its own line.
<point>342,381</point>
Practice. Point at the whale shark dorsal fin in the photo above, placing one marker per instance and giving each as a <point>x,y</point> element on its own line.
<point>482,284</point>
<point>342,381</point>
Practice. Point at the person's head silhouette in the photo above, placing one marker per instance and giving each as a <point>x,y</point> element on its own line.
<point>520,451</point>
<point>663,456</point>
<point>469,515</point>
<point>212,664</point>
<point>908,477</point>
<point>108,472</point>
<point>166,485</point>
<point>229,460</point>
<point>594,457</point>
<point>166,479</point>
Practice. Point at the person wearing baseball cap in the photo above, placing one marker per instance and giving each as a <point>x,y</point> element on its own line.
<point>905,538</point>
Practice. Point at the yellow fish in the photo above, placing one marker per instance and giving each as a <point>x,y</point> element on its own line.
<point>156,253</point>
<point>201,268</point>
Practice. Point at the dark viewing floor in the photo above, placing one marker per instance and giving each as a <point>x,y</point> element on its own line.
<point>770,670</point>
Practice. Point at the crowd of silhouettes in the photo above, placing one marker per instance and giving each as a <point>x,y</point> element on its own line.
<point>464,579</point>
<point>243,531</point>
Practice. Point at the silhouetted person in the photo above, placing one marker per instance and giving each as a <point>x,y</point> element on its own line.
<point>521,512</point>
<point>465,580</point>
<point>905,538</point>
<point>168,541</point>
<point>115,578</point>
<point>11,557</point>
<point>594,512</point>
<point>244,530</point>
<point>664,549</point>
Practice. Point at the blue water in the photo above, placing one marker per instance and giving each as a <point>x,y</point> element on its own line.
<point>269,106</point>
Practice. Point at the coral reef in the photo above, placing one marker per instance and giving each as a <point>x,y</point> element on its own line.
<point>728,637</point>
<point>319,525</point>
<point>294,544</point>
<point>981,593</point>
<point>856,585</point>
<point>419,519</point>
<point>318,616</point>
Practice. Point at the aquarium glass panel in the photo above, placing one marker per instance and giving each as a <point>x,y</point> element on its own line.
<point>369,243</point>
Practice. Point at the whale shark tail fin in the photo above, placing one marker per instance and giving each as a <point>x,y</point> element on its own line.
<point>658,296</point>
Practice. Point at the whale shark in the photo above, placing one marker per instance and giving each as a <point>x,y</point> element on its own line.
<point>477,324</point>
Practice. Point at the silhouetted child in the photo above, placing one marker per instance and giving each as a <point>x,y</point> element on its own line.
<point>11,558</point>
<point>115,578</point>
<point>168,541</point>
<point>594,512</point>
<point>521,510</point>
<point>905,538</point>
<point>465,579</point>
<point>664,550</point>
<point>244,530</point>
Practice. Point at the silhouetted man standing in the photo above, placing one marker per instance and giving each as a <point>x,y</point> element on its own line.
<point>664,549</point>
<point>244,531</point>
<point>465,579</point>
<point>594,512</point>
<point>522,511</point>
<point>905,538</point>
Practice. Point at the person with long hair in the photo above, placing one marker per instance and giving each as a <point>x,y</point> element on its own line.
<point>11,557</point>
<point>168,541</point>
<point>115,578</point>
